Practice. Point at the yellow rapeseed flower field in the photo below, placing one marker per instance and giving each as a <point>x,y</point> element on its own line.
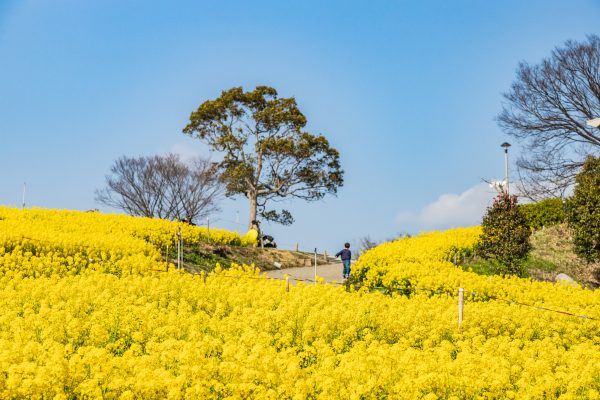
<point>173,336</point>
<point>39,242</point>
<point>239,335</point>
<point>424,262</point>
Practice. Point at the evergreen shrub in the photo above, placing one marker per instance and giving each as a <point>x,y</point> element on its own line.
<point>505,236</point>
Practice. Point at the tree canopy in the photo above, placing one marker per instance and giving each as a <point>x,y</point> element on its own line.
<point>583,210</point>
<point>267,154</point>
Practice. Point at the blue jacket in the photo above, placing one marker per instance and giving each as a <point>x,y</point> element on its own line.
<point>346,255</point>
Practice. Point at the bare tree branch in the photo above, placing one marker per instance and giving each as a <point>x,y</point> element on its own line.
<point>547,108</point>
<point>163,187</point>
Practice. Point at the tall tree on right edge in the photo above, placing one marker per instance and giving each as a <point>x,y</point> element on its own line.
<point>547,108</point>
<point>583,211</point>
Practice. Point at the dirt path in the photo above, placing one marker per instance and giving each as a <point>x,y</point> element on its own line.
<point>330,272</point>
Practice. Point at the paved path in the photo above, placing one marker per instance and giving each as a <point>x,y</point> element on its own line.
<point>331,272</point>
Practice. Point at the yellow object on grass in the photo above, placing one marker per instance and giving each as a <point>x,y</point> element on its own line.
<point>251,236</point>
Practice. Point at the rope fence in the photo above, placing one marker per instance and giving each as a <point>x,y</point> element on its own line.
<point>543,308</point>
<point>492,297</point>
<point>461,292</point>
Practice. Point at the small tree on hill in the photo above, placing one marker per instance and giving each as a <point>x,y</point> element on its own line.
<point>163,187</point>
<point>366,244</point>
<point>505,235</point>
<point>583,210</point>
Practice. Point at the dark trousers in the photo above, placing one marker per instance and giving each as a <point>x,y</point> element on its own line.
<point>346,272</point>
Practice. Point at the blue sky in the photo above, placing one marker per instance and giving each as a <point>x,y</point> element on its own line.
<point>407,91</point>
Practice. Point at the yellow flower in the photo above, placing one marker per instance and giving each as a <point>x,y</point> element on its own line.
<point>82,316</point>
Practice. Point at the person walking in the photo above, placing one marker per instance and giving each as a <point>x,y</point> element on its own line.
<point>346,255</point>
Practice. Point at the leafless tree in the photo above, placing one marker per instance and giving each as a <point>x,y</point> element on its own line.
<point>546,109</point>
<point>163,187</point>
<point>366,244</point>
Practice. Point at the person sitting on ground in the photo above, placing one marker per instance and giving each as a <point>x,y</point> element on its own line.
<point>346,255</point>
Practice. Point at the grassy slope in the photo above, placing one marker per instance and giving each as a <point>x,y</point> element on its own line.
<point>204,257</point>
<point>552,254</point>
<point>554,246</point>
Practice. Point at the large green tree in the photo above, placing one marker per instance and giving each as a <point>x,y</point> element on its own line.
<point>267,154</point>
<point>583,210</point>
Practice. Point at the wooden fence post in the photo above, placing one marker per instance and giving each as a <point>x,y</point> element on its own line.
<point>287,283</point>
<point>208,229</point>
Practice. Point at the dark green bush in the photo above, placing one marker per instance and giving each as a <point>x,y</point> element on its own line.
<point>583,210</point>
<point>544,213</point>
<point>505,236</point>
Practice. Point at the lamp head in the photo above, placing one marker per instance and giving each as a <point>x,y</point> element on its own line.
<point>505,145</point>
<point>594,122</point>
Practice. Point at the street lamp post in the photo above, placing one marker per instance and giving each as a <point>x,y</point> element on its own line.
<point>505,146</point>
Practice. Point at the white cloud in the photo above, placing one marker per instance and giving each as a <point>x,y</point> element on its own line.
<point>188,151</point>
<point>451,210</point>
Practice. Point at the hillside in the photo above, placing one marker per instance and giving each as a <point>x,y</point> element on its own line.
<point>204,256</point>
<point>553,254</point>
<point>91,310</point>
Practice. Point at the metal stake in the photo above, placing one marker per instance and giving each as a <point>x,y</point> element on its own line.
<point>461,298</point>
<point>315,265</point>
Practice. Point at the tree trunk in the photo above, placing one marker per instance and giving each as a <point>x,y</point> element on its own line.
<point>253,208</point>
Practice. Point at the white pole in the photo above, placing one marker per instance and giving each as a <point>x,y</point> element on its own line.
<point>461,298</point>
<point>315,265</point>
<point>179,250</point>
<point>506,168</point>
